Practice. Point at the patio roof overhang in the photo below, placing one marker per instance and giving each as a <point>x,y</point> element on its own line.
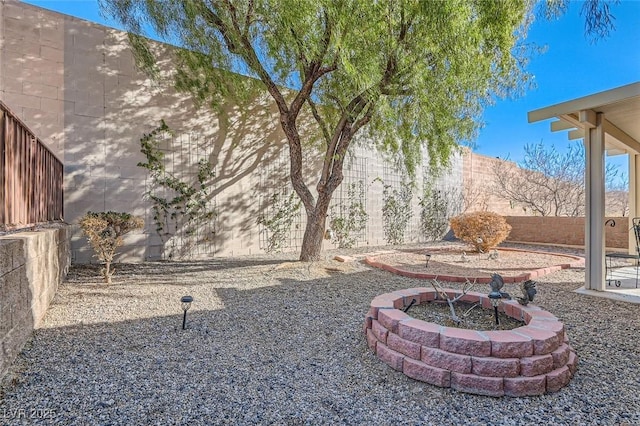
<point>620,106</point>
<point>609,122</point>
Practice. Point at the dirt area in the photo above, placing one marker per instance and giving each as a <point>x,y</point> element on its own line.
<point>459,262</point>
<point>473,316</point>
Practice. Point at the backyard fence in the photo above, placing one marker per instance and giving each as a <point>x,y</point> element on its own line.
<point>30,176</point>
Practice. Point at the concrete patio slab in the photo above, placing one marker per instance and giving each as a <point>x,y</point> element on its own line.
<point>627,292</point>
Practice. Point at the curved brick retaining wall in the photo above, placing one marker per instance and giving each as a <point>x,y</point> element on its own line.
<point>530,360</point>
<point>576,262</point>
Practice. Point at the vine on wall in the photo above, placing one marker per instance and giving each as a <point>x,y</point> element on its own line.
<point>437,206</point>
<point>396,211</point>
<point>278,218</point>
<point>349,218</point>
<point>187,202</point>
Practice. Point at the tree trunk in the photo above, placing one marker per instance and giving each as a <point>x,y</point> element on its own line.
<point>314,231</point>
<point>331,178</point>
<point>107,272</point>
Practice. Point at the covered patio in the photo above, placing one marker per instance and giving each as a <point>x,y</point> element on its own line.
<point>609,123</point>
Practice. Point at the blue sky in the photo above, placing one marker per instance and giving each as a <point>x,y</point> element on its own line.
<point>571,67</point>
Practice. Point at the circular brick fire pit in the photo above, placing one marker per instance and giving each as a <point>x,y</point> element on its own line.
<point>530,360</point>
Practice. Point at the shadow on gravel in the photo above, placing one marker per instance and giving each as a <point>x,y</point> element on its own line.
<point>163,268</point>
<point>294,353</point>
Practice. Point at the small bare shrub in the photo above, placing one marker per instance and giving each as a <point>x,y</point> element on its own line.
<point>468,285</point>
<point>104,231</point>
<point>483,230</point>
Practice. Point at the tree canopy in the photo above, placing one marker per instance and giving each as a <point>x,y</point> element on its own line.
<point>412,75</point>
<point>598,19</point>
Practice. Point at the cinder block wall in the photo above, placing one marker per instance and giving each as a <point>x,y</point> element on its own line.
<point>479,180</point>
<point>75,84</point>
<point>32,265</point>
<point>564,230</point>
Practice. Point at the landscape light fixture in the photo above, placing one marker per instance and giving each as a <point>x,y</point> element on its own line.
<point>186,304</point>
<point>495,297</point>
<point>428,256</point>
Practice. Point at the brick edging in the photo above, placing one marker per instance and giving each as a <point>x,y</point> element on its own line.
<point>578,261</point>
<point>530,360</point>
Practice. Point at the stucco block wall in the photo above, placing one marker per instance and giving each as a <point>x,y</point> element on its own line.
<point>75,84</point>
<point>478,175</point>
<point>32,266</point>
<point>564,230</point>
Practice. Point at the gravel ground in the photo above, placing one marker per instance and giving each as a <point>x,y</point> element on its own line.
<point>273,341</point>
<point>449,261</point>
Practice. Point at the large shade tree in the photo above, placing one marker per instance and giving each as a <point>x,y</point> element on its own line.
<point>413,75</point>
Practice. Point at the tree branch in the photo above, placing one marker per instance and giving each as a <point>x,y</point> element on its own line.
<point>365,118</point>
<point>240,45</point>
<point>352,110</point>
<point>320,121</point>
<point>301,56</point>
<point>247,19</point>
<point>314,69</point>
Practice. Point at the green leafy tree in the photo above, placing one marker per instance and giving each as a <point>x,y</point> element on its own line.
<point>413,75</point>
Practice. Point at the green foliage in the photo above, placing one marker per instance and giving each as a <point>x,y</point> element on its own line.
<point>434,208</point>
<point>437,206</point>
<point>598,19</point>
<point>187,203</point>
<point>483,230</point>
<point>104,231</point>
<point>412,74</point>
<point>277,220</point>
<point>396,211</point>
<point>421,70</point>
<point>349,218</point>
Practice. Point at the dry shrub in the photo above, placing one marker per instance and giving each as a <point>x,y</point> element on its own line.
<point>104,231</point>
<point>483,230</point>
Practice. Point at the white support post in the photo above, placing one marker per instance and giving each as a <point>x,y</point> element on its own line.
<point>594,223</point>
<point>634,196</point>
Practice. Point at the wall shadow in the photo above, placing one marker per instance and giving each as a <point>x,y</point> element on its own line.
<point>78,87</point>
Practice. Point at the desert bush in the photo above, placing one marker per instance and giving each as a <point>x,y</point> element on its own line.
<point>483,230</point>
<point>104,231</point>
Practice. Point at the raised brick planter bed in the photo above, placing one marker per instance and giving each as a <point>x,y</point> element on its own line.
<point>576,261</point>
<point>530,360</point>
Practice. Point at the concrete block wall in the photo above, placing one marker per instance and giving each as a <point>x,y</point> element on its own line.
<point>76,85</point>
<point>32,265</point>
<point>479,180</point>
<point>380,173</point>
<point>564,230</point>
